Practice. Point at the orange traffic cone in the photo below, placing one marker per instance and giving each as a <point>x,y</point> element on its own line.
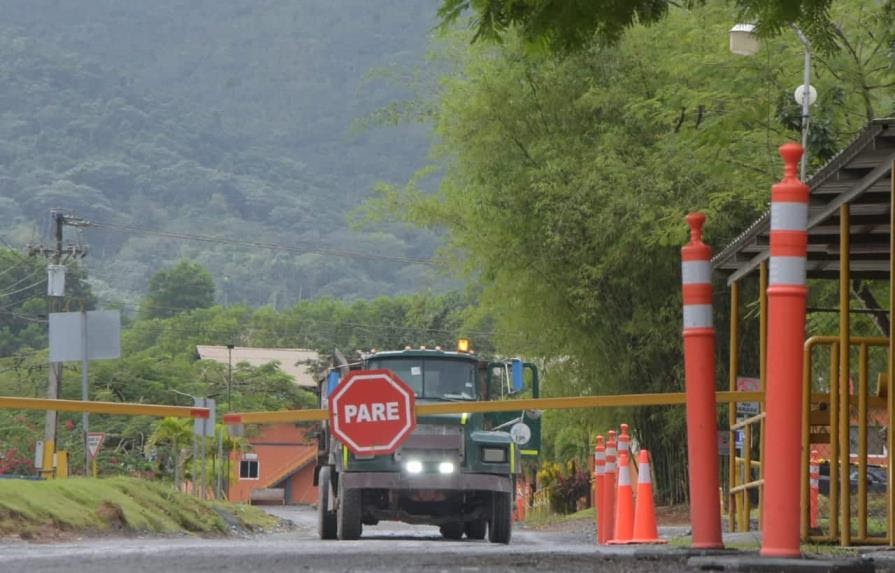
<point>609,485</point>
<point>624,445</point>
<point>645,529</point>
<point>600,490</point>
<point>624,503</point>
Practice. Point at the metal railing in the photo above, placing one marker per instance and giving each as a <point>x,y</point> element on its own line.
<point>826,419</point>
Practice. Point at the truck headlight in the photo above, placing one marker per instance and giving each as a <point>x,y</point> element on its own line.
<point>494,455</point>
<point>414,466</point>
<point>446,468</point>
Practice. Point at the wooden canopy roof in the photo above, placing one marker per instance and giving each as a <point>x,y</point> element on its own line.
<point>861,176</point>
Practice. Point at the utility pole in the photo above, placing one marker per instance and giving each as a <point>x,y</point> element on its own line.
<point>55,292</point>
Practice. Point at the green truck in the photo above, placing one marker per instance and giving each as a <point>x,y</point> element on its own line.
<point>455,471</point>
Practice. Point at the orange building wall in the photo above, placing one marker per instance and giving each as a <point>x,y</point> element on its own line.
<point>278,447</point>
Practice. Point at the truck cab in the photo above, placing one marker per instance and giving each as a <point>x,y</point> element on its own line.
<point>456,471</point>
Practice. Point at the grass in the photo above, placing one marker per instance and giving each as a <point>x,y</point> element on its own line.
<point>544,518</point>
<point>33,509</point>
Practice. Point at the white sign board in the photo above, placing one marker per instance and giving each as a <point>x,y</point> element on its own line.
<point>204,426</point>
<point>103,335</point>
<point>39,455</point>
<point>94,443</point>
<point>748,385</point>
<point>723,443</point>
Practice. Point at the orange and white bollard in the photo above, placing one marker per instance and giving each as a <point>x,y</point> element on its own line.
<point>610,485</point>
<point>787,296</point>
<point>814,487</point>
<point>624,503</point>
<point>699,371</point>
<point>599,489</point>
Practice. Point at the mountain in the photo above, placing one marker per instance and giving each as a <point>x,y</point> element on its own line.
<point>227,118</point>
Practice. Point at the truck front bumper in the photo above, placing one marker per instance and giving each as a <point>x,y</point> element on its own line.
<point>402,481</point>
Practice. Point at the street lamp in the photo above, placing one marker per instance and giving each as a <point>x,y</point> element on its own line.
<point>229,375</point>
<point>744,42</point>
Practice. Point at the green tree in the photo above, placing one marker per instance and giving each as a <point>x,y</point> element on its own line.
<point>183,287</point>
<point>570,26</point>
<point>173,434</point>
<point>564,183</point>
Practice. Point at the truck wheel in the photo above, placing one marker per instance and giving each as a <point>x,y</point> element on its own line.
<point>476,529</point>
<point>501,527</point>
<point>452,531</point>
<point>326,518</point>
<point>348,516</point>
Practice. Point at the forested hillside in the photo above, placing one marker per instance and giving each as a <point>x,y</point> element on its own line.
<point>230,118</point>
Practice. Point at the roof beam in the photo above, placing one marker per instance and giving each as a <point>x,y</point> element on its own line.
<point>865,183</point>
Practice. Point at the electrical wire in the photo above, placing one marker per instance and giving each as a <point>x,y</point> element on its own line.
<point>312,248</point>
<point>21,280</point>
<point>23,289</point>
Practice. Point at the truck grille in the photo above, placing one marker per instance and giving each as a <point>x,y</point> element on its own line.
<point>433,442</point>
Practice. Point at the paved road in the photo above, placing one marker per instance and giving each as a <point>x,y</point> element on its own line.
<point>385,547</point>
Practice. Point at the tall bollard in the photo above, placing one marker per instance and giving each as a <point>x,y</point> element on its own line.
<point>600,489</point>
<point>814,481</point>
<point>609,482</point>
<point>699,370</point>
<point>787,295</point>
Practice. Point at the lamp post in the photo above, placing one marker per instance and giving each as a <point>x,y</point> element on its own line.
<point>744,42</point>
<point>229,375</point>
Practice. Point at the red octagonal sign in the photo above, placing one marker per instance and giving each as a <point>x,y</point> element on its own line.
<point>371,411</point>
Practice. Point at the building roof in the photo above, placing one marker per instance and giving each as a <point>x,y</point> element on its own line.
<point>292,361</point>
<point>857,176</point>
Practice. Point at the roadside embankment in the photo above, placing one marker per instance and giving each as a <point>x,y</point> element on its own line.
<point>61,508</point>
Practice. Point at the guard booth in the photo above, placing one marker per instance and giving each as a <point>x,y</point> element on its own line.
<point>847,400</point>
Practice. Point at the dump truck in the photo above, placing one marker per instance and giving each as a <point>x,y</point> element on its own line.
<point>455,471</point>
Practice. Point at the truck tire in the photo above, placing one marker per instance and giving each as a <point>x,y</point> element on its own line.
<point>326,519</point>
<point>452,530</point>
<point>476,529</point>
<point>349,513</point>
<point>501,527</point>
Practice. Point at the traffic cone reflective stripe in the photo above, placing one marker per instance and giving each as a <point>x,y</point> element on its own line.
<point>624,503</point>
<point>645,528</point>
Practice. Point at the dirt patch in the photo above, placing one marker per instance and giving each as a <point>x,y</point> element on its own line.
<point>112,515</point>
<point>668,515</point>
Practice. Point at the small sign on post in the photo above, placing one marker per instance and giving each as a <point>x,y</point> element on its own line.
<point>204,426</point>
<point>748,385</point>
<point>95,443</point>
<point>723,442</point>
<point>39,455</point>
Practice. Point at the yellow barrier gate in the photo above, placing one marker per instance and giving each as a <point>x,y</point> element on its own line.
<point>119,408</point>
<point>619,400</point>
<point>114,408</point>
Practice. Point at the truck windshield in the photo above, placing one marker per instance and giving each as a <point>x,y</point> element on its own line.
<point>433,378</point>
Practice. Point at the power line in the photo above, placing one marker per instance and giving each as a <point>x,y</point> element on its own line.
<point>23,279</point>
<point>23,289</point>
<point>262,245</point>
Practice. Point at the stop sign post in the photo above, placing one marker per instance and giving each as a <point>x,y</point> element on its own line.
<point>372,412</point>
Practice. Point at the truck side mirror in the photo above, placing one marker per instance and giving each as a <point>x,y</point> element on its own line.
<point>332,380</point>
<point>518,382</point>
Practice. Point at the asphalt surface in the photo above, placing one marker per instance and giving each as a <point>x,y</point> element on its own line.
<point>385,547</point>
